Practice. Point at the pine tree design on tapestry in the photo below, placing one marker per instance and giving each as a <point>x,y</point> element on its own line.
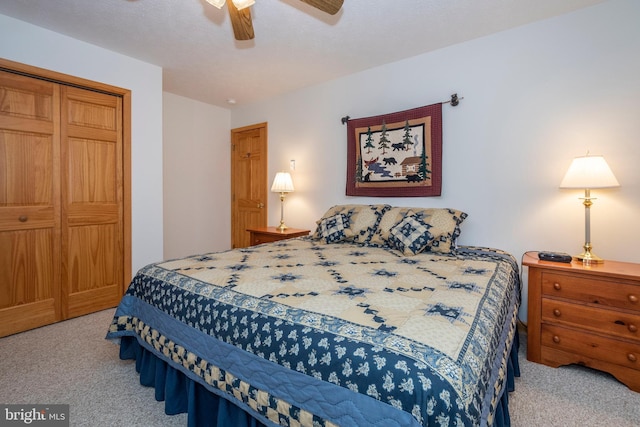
<point>387,161</point>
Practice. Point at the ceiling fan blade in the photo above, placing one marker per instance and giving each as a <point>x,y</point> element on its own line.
<point>329,6</point>
<point>241,22</point>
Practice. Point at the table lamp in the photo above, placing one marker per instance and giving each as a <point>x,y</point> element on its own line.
<point>589,172</point>
<point>282,184</point>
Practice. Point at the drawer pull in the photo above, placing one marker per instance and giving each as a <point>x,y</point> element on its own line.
<point>23,218</point>
<point>633,298</point>
<point>632,327</point>
<point>556,339</point>
<point>556,286</point>
<point>632,357</point>
<point>557,313</point>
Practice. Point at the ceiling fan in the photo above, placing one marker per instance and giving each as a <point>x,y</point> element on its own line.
<point>241,14</point>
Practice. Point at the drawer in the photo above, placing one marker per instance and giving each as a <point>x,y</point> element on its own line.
<point>606,321</point>
<point>619,352</point>
<point>607,293</point>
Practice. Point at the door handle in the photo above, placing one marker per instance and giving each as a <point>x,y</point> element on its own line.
<point>260,205</point>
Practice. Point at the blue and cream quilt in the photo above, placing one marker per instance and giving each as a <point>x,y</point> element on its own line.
<point>305,333</point>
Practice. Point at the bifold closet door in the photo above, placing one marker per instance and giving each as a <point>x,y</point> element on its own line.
<point>92,201</point>
<point>30,257</point>
<point>61,202</point>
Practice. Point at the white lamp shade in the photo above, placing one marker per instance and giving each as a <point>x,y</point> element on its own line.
<point>589,172</point>
<point>216,3</point>
<point>242,4</point>
<point>282,183</point>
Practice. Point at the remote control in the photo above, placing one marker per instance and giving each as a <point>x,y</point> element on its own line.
<point>554,256</point>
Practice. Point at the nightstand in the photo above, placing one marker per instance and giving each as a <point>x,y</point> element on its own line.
<point>585,315</point>
<point>261,235</point>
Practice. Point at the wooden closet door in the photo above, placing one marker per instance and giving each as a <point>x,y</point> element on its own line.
<point>29,203</point>
<point>92,201</point>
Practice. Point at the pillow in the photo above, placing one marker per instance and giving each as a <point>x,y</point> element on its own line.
<point>391,217</point>
<point>444,222</point>
<point>332,229</point>
<point>410,236</point>
<point>360,221</point>
<point>445,227</point>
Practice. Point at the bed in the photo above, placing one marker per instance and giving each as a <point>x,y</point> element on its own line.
<point>376,319</point>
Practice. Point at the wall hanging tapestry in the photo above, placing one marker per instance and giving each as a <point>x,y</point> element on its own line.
<point>396,155</point>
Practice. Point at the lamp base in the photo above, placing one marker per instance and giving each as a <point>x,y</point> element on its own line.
<point>593,258</point>
<point>282,227</point>
<point>589,257</point>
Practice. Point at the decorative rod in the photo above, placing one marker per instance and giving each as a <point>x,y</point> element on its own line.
<point>454,101</point>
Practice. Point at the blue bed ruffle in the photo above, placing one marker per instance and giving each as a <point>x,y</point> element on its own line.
<point>501,417</point>
<point>182,394</point>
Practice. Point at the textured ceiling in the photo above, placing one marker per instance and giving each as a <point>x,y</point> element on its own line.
<point>295,45</point>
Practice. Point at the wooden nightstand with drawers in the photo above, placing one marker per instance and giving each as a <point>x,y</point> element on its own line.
<point>585,315</point>
<point>273,234</point>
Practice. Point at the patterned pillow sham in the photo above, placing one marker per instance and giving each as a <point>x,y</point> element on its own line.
<point>445,226</point>
<point>332,229</point>
<point>360,221</point>
<point>410,236</point>
<point>391,217</point>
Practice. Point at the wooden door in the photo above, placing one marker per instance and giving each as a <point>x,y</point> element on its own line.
<point>248,182</point>
<point>92,201</point>
<point>65,202</point>
<point>29,203</point>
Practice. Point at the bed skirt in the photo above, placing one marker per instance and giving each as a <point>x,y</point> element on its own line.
<point>183,394</point>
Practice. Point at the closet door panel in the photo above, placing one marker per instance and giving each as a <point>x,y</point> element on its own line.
<point>92,180</point>
<point>27,299</point>
<point>93,251</point>
<point>92,201</point>
<point>29,203</point>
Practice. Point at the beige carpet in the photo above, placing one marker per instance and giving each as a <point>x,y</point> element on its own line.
<point>71,362</point>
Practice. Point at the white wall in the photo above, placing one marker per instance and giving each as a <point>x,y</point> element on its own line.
<point>534,98</point>
<point>28,44</point>
<point>197,171</point>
